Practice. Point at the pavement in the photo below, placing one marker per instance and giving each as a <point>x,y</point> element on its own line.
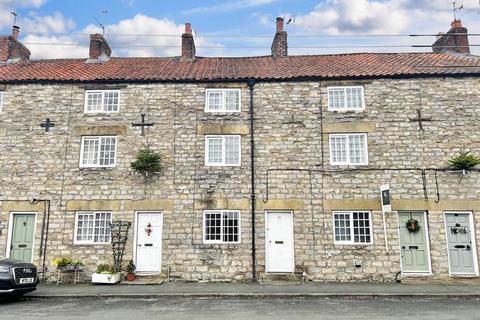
<point>246,290</point>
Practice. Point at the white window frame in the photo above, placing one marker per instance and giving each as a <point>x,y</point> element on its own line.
<point>2,93</point>
<point>103,102</point>
<point>82,165</point>
<point>205,241</point>
<point>223,164</point>
<point>352,232</point>
<point>88,242</point>
<point>224,100</point>
<point>346,108</point>
<point>348,162</point>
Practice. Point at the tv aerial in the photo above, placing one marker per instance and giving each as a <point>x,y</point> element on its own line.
<point>104,12</point>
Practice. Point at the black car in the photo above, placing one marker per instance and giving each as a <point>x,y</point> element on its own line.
<point>17,277</point>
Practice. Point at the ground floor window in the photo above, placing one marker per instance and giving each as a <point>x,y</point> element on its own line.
<point>352,227</point>
<point>221,226</point>
<point>92,227</point>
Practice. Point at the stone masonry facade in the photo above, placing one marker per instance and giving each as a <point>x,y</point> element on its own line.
<point>292,170</point>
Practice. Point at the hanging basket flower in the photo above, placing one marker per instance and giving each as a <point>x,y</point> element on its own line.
<point>413,225</point>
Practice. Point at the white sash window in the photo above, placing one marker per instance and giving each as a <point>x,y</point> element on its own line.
<point>97,101</point>
<point>98,151</point>
<point>221,226</point>
<point>92,227</point>
<point>346,98</point>
<point>222,100</point>
<point>348,149</point>
<point>352,227</point>
<point>222,150</point>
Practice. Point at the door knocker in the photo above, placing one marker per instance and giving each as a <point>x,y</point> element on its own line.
<point>458,229</point>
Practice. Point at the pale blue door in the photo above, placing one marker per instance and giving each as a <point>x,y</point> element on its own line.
<point>459,239</point>
<point>23,229</point>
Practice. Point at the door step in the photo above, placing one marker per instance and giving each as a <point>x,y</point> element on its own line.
<point>281,278</point>
<point>145,280</point>
<point>440,280</point>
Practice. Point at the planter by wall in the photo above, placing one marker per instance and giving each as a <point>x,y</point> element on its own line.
<point>106,278</point>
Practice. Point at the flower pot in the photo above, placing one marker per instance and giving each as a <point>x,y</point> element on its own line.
<point>131,276</point>
<point>106,278</point>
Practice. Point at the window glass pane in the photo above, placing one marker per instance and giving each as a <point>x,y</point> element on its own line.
<point>232,150</point>
<point>231,226</point>
<point>356,144</point>
<point>342,227</point>
<point>94,101</point>
<point>215,100</point>
<point>85,227</point>
<point>336,98</point>
<point>110,101</point>
<point>232,100</point>
<point>361,227</point>
<point>102,227</point>
<point>90,151</point>
<point>107,151</point>
<point>1,100</point>
<point>215,150</point>
<point>354,98</point>
<point>213,226</point>
<point>338,146</point>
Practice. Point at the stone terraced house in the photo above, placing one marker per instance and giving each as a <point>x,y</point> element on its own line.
<point>271,165</point>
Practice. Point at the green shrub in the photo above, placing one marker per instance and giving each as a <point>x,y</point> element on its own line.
<point>130,267</point>
<point>147,161</point>
<point>464,161</point>
<point>105,268</point>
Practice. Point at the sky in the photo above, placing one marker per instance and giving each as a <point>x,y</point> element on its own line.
<point>61,28</point>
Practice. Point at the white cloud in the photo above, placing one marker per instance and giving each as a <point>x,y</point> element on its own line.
<point>7,6</point>
<point>128,37</point>
<point>229,5</point>
<point>55,23</point>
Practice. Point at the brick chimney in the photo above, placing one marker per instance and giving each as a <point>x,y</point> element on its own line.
<point>12,50</point>
<point>280,45</point>
<point>188,44</point>
<point>455,40</point>
<point>99,48</point>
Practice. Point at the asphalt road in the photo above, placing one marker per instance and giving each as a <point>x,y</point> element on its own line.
<point>248,308</point>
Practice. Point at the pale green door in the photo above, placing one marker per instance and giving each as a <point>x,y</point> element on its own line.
<point>459,240</point>
<point>413,244</point>
<point>22,237</point>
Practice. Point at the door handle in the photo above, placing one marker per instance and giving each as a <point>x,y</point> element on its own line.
<point>468,247</point>
<point>403,247</point>
<point>461,246</point>
<point>139,245</point>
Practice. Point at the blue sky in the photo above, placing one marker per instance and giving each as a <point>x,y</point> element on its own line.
<point>60,28</point>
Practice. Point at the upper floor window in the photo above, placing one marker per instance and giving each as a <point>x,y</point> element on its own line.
<point>92,227</point>
<point>223,100</point>
<point>221,226</point>
<point>352,227</point>
<point>348,149</point>
<point>97,101</point>
<point>346,98</point>
<point>222,150</point>
<point>1,100</point>
<point>98,151</point>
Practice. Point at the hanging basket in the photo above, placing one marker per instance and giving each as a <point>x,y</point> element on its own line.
<point>413,225</point>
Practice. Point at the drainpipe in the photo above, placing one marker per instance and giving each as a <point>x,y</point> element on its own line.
<point>251,84</point>
<point>44,269</point>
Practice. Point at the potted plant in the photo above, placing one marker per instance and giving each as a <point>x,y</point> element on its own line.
<point>106,274</point>
<point>67,264</point>
<point>130,271</point>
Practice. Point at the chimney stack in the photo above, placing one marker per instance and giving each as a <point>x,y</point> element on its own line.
<point>99,48</point>
<point>455,40</point>
<point>280,44</point>
<point>188,44</point>
<point>12,50</point>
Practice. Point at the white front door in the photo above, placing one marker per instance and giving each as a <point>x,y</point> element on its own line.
<point>149,242</point>
<point>279,241</point>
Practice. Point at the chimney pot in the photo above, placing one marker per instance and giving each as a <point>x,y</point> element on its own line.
<point>279,24</point>
<point>15,32</point>
<point>456,24</point>
<point>188,28</point>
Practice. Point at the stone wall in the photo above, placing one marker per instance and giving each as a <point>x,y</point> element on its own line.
<point>291,132</point>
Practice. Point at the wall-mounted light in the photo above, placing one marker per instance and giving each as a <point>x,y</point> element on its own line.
<point>2,226</point>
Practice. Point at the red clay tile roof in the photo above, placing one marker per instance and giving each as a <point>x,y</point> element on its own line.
<point>338,66</point>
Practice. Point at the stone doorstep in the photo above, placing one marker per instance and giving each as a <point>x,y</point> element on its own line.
<point>279,278</point>
<point>144,280</point>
